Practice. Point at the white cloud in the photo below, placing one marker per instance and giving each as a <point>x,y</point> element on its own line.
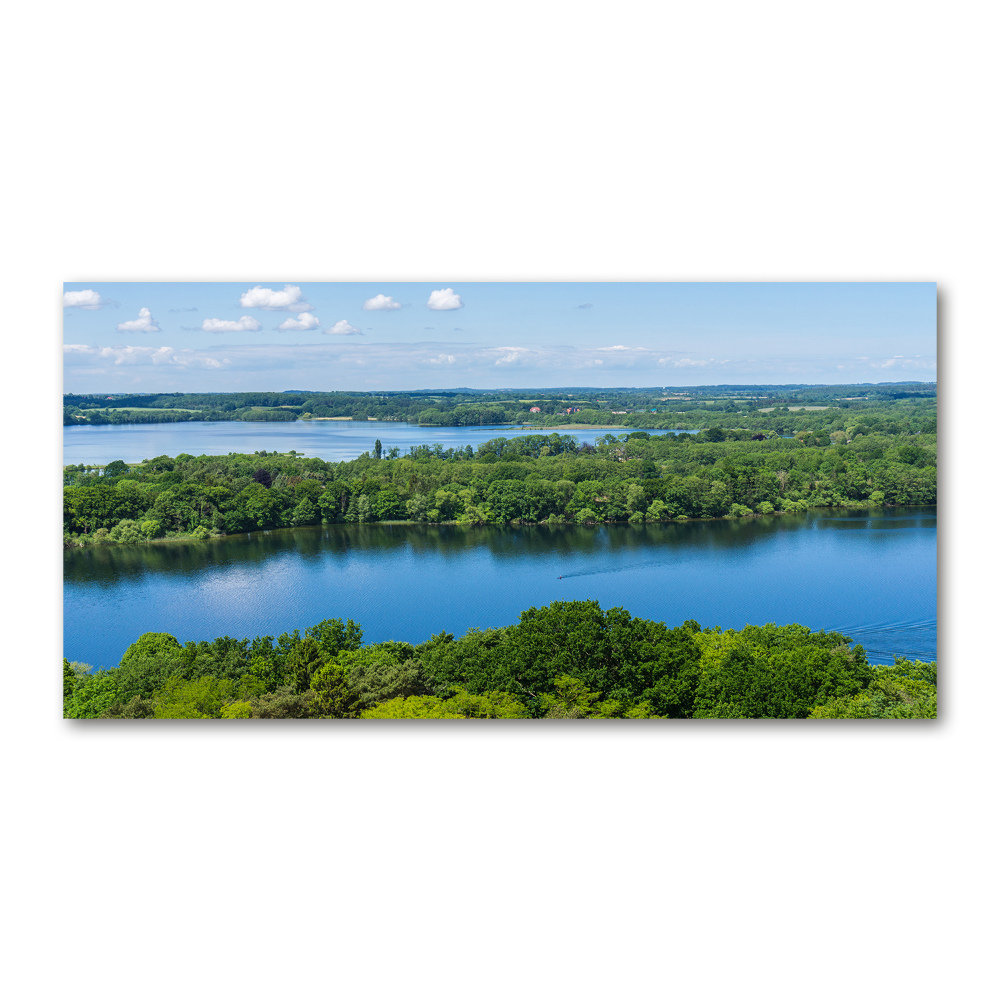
<point>144,324</point>
<point>304,322</point>
<point>898,361</point>
<point>87,299</point>
<point>81,354</point>
<point>381,301</point>
<point>230,325</point>
<point>513,355</point>
<point>289,298</point>
<point>445,298</point>
<point>442,359</point>
<point>344,329</point>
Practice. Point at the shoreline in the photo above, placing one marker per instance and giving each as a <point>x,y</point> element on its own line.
<point>187,538</point>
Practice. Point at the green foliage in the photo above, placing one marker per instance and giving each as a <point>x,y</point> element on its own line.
<point>283,703</point>
<point>200,698</point>
<point>334,697</point>
<point>487,705</point>
<point>378,673</point>
<point>116,468</point>
<point>93,694</point>
<point>134,708</point>
<point>573,700</point>
<point>906,690</point>
<point>158,645</point>
<point>775,672</point>
<point>426,706</point>
<point>334,635</point>
<point>567,660</point>
<point>875,451</point>
<point>235,710</point>
<point>302,662</point>
<point>127,532</point>
<point>140,675</point>
<point>620,657</point>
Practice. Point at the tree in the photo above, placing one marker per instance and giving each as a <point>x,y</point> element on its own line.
<point>134,708</point>
<point>334,697</point>
<point>115,468</point>
<point>378,449</point>
<point>333,635</point>
<point>160,646</point>
<point>93,694</point>
<point>302,662</point>
<point>306,512</point>
<point>283,703</point>
<point>200,698</point>
<point>775,672</point>
<point>378,673</point>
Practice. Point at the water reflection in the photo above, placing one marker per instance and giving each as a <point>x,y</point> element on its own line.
<point>447,541</point>
<point>866,574</point>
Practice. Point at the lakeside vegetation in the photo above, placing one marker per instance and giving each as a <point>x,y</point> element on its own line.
<point>691,408</point>
<point>567,660</point>
<point>883,453</point>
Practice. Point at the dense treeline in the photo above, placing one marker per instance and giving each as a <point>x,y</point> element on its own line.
<point>764,407</point>
<point>567,660</point>
<point>720,472</point>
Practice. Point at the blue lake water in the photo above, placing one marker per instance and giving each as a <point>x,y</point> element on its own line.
<point>331,440</point>
<point>871,575</point>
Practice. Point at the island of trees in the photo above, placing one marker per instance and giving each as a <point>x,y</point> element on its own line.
<point>749,462</point>
<point>568,660</point>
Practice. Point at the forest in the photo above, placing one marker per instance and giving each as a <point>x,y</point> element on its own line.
<point>567,660</point>
<point>691,408</point>
<point>777,462</point>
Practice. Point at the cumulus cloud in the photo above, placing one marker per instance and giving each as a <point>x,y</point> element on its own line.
<point>444,298</point>
<point>230,325</point>
<point>344,329</point>
<point>442,359</point>
<point>87,299</point>
<point>144,324</point>
<point>304,322</point>
<point>290,298</point>
<point>381,301</point>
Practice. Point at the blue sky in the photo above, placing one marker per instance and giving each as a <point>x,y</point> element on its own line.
<point>237,336</point>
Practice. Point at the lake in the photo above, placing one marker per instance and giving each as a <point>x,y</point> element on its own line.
<point>868,574</point>
<point>331,440</point>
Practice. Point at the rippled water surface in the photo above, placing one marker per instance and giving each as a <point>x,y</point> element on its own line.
<point>871,576</point>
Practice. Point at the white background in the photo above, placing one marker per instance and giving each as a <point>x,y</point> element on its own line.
<point>451,142</point>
